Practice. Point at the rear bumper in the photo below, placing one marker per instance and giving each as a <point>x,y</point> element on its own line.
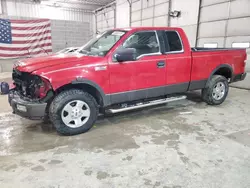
<point>26,109</point>
<point>239,77</point>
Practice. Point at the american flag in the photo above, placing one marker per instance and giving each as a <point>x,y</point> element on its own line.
<point>22,38</point>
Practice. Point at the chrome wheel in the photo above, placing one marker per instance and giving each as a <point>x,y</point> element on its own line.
<point>219,91</point>
<point>75,114</point>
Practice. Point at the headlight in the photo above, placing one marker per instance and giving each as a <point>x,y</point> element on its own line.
<point>43,88</point>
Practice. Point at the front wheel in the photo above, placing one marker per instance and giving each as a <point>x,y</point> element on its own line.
<point>73,112</point>
<point>216,91</point>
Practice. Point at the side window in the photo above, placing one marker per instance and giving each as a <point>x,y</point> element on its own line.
<point>174,41</point>
<point>144,42</point>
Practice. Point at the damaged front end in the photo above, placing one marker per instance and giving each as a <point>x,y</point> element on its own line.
<point>30,96</point>
<point>31,87</point>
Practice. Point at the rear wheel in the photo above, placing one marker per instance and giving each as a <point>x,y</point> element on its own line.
<point>216,91</point>
<point>73,112</point>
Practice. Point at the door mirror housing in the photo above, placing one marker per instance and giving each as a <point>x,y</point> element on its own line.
<point>125,54</point>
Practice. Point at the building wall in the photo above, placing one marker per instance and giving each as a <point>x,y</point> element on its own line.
<point>188,19</point>
<point>114,15</point>
<point>228,23</point>
<point>69,26</point>
<point>0,7</point>
<point>156,13</point>
<point>122,14</point>
<point>149,13</point>
<point>26,9</point>
<point>69,33</point>
<point>105,18</point>
<point>224,22</point>
<point>206,22</point>
<point>152,13</point>
<point>65,33</point>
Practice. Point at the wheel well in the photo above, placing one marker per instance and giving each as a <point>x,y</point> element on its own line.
<point>86,87</point>
<point>224,71</point>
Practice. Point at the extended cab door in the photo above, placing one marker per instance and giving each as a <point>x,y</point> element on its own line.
<point>178,61</point>
<point>143,78</point>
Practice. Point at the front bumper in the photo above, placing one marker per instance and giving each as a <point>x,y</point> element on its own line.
<point>27,109</point>
<point>239,77</point>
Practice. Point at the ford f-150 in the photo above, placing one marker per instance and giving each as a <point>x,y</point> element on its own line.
<point>122,69</point>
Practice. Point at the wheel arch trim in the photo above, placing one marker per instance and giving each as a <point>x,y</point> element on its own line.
<point>105,98</point>
<point>219,67</point>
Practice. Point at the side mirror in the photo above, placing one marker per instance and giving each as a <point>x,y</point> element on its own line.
<point>125,54</point>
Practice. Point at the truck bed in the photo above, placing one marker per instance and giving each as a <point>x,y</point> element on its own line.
<point>200,49</point>
<point>207,60</point>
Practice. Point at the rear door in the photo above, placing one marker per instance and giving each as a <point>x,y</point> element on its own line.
<point>143,78</point>
<point>178,63</point>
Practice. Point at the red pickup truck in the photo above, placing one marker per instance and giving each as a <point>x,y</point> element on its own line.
<point>122,69</point>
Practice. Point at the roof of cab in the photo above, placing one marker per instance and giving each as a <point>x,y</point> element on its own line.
<point>147,28</point>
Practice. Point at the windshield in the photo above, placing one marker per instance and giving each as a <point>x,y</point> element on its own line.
<point>101,45</point>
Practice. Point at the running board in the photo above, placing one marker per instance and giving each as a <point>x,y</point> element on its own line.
<point>150,103</point>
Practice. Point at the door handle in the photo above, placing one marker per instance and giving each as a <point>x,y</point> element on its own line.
<point>161,64</point>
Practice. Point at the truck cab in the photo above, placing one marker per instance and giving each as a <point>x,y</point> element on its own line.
<point>121,69</point>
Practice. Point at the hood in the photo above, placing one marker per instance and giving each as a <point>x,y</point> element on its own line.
<point>33,64</point>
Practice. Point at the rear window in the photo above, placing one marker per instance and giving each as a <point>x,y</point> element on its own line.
<point>174,41</point>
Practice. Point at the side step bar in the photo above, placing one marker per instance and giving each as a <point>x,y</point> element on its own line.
<point>150,103</point>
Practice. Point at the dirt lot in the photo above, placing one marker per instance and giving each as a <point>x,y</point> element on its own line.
<point>181,145</point>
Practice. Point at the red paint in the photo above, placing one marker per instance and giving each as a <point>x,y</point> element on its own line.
<point>143,73</point>
<point>135,75</point>
<point>179,65</point>
<point>205,62</point>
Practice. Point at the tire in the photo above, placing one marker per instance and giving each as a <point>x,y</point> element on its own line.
<point>46,118</point>
<point>211,95</point>
<point>60,115</point>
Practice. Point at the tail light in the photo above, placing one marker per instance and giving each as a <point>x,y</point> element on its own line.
<point>245,60</point>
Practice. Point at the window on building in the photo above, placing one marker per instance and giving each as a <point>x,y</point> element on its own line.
<point>210,45</point>
<point>241,44</point>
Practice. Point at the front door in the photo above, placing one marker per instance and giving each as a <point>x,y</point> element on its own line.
<point>143,78</point>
